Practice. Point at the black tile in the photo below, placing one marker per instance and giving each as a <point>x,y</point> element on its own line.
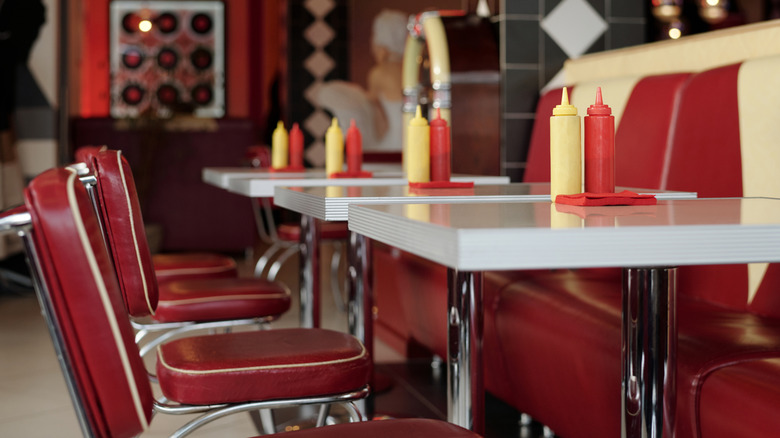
<point>549,5</point>
<point>518,136</point>
<point>599,6</point>
<point>628,8</point>
<point>554,57</point>
<point>625,35</point>
<point>522,41</point>
<point>522,7</point>
<point>521,90</point>
<point>599,45</point>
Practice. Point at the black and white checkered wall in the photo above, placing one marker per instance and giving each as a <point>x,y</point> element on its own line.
<point>317,48</point>
<point>537,36</point>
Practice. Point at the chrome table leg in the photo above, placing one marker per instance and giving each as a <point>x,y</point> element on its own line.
<point>649,352</point>
<point>360,303</point>
<point>465,381</point>
<point>310,272</point>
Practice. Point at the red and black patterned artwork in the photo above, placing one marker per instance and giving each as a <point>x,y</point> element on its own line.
<point>167,58</point>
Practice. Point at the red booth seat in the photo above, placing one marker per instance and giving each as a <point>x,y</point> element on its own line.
<point>552,338</point>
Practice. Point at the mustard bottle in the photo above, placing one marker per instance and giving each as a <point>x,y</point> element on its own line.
<point>565,150</point>
<point>334,149</point>
<point>418,141</point>
<point>279,147</point>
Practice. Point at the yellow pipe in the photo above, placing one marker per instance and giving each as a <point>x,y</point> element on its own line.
<point>438,52</point>
<point>434,36</point>
<point>412,62</point>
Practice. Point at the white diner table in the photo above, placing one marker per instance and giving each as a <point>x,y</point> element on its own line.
<point>221,176</point>
<point>647,241</point>
<point>331,203</point>
<point>264,187</point>
<point>261,184</point>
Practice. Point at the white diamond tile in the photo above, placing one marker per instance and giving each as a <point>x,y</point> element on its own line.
<point>317,123</point>
<point>316,153</point>
<point>319,8</point>
<point>319,34</point>
<point>574,25</point>
<point>319,64</point>
<point>310,93</point>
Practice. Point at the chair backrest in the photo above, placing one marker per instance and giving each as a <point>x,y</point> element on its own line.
<point>84,154</point>
<point>78,275</point>
<point>724,145</point>
<point>120,214</point>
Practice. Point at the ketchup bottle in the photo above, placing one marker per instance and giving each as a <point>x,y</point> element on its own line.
<point>599,148</point>
<point>296,147</point>
<point>440,148</point>
<point>354,148</point>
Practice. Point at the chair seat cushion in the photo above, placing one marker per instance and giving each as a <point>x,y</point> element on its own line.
<point>328,230</point>
<point>406,428</point>
<point>261,365</point>
<point>189,266</point>
<point>219,299</point>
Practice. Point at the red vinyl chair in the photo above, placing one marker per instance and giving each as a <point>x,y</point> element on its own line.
<point>178,266</point>
<point>216,375</point>
<point>184,305</point>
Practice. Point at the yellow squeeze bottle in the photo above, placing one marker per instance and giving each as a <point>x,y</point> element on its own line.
<point>565,150</point>
<point>334,148</point>
<point>418,141</point>
<point>279,147</point>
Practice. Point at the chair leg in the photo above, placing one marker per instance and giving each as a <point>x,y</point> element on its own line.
<point>264,421</point>
<point>266,258</point>
<point>323,415</point>
<point>277,265</point>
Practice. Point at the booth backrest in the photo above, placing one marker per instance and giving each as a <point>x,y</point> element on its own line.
<point>725,145</point>
<point>644,111</point>
<point>713,132</point>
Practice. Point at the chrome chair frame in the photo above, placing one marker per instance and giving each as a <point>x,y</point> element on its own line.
<point>21,224</point>
<point>261,208</point>
<point>172,329</point>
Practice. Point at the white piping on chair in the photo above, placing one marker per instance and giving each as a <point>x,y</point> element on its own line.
<point>109,311</point>
<point>135,238</point>
<point>222,298</point>
<point>188,271</point>
<point>261,367</point>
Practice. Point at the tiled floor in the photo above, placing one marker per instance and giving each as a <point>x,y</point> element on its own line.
<point>34,401</point>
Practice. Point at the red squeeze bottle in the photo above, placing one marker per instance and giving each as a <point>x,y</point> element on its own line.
<point>440,149</point>
<point>599,148</point>
<point>296,147</point>
<point>354,148</point>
